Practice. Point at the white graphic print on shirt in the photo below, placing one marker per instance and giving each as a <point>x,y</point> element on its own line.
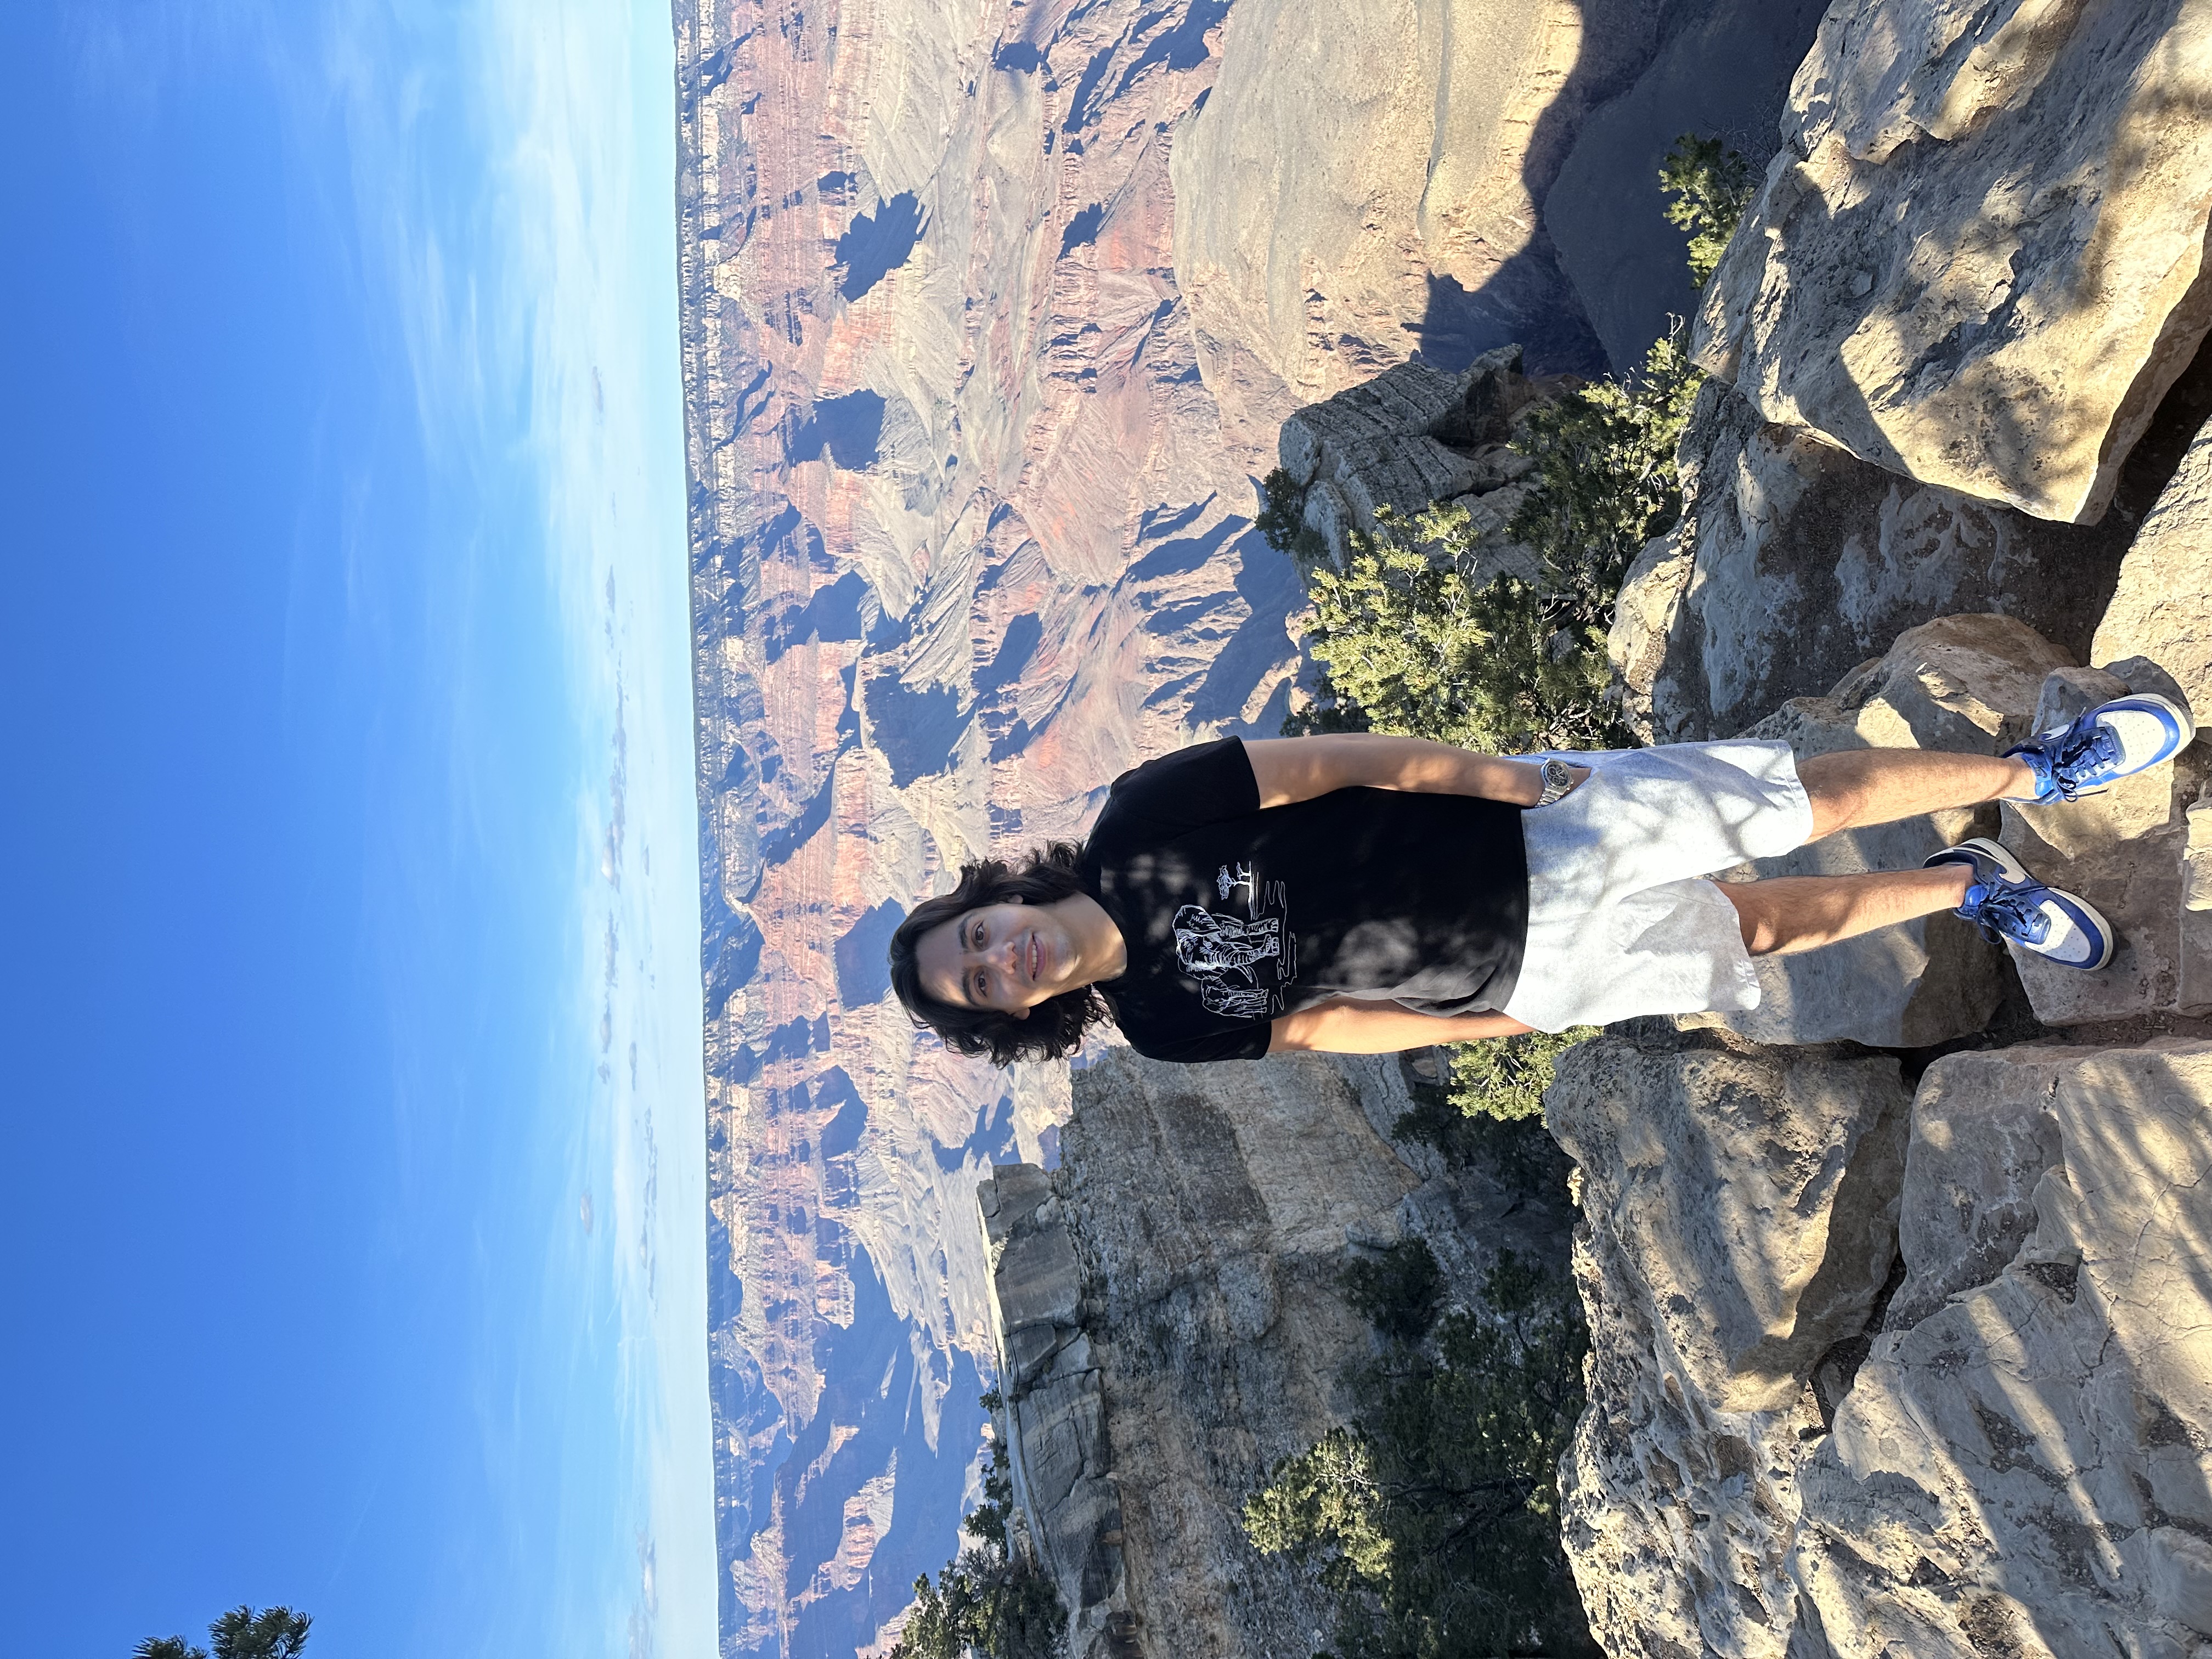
<point>1241,962</point>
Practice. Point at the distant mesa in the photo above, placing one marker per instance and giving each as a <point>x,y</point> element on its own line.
<point>915,727</point>
<point>851,428</point>
<point>1083,229</point>
<point>876,245</point>
<point>863,974</point>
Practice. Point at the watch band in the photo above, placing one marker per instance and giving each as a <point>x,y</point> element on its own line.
<point>1557,780</point>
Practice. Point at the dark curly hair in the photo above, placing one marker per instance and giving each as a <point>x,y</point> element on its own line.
<point>1055,1026</point>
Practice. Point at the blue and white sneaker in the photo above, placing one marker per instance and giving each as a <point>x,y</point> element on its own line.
<point>2114,740</point>
<point>2008,904</point>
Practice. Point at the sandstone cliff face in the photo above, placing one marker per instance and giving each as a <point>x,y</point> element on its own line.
<point>1979,259</point>
<point>1390,178</point>
<point>1171,1325</point>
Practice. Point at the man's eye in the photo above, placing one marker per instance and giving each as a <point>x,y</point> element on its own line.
<point>979,984</point>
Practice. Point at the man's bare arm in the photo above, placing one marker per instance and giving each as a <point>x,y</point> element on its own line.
<point>1290,770</point>
<point>1345,1027</point>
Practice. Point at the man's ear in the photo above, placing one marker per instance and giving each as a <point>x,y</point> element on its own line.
<point>1022,1014</point>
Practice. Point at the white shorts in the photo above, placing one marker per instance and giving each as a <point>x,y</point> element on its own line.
<point>1621,920</point>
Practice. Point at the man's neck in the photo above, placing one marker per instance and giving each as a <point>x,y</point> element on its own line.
<point>1104,954</point>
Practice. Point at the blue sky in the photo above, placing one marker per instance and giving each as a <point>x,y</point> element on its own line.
<point>354,1253</point>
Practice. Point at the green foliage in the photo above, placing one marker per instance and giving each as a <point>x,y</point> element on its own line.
<point>242,1633</point>
<point>1281,520</point>
<point>1435,1518</point>
<point>1407,640</point>
<point>1489,1109</point>
<point>273,1633</point>
<point>990,1599</point>
<point>1711,185</point>
<point>1505,1078</point>
<point>1400,1292</point>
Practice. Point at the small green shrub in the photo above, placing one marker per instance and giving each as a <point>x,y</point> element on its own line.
<point>1399,1292</point>
<point>1409,642</point>
<point>991,1601</point>
<point>1489,1109</point>
<point>1281,521</point>
<point>1711,185</point>
<point>1505,1078</point>
<point>1434,1518</point>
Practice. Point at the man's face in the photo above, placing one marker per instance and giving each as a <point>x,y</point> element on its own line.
<point>1007,958</point>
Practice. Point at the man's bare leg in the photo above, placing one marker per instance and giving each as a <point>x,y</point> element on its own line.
<point>1803,912</point>
<point>1858,786</point>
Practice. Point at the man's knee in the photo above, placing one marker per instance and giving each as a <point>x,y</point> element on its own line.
<point>1751,915</point>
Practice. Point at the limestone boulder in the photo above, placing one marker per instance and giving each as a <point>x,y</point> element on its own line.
<point>2012,1454</point>
<point>1755,1186</point>
<point>1795,562</point>
<point>1961,684</point>
<point>2162,608</point>
<point>1978,260</point>
<point>2024,1462</point>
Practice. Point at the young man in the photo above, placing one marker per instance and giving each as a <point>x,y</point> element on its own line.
<point>1365,894</point>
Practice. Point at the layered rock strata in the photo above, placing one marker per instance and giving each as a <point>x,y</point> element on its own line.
<point>1978,260</point>
<point>1414,436</point>
<point>968,537</point>
<point>1171,1325</point>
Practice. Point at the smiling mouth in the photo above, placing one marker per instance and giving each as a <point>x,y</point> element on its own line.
<point>1036,958</point>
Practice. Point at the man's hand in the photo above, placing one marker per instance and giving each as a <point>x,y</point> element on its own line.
<point>1289,769</point>
<point>1347,1027</point>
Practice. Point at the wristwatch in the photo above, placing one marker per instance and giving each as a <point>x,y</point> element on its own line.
<point>1559,778</point>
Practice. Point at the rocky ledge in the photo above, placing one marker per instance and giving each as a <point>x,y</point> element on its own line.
<point>1885,1372</point>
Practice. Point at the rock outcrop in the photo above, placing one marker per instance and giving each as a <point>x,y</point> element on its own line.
<point>2006,1445</point>
<point>2126,850</point>
<point>2162,608</point>
<point>1794,563</point>
<point>1170,1325</point>
<point>1979,259</point>
<point>1411,436</point>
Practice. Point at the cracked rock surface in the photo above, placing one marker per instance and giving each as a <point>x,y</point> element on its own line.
<point>2015,1455</point>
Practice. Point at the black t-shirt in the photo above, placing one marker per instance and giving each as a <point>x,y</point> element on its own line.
<point>1233,914</point>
